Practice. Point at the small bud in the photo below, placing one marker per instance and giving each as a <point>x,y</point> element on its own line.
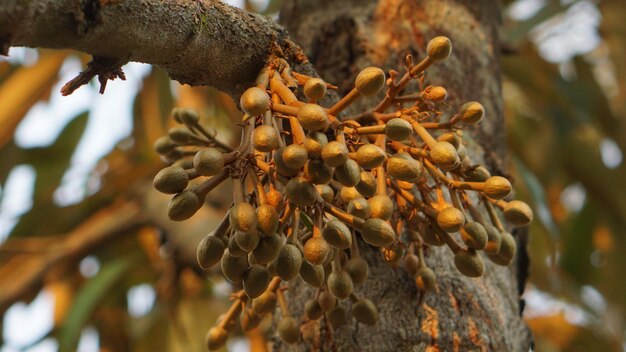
<point>335,153</point>
<point>472,112</point>
<point>381,206</point>
<point>337,234</point>
<point>358,269</point>
<point>289,330</point>
<point>171,180</point>
<point>254,101</point>
<point>208,162</point>
<point>312,117</point>
<point>315,89</point>
<point>265,138</point>
<point>398,129</point>
<point>369,156</point>
<point>425,279</point>
<point>377,232</point>
<point>444,155</point>
<point>209,252</point>
<point>365,312</point>
<point>518,213</point>
<point>403,167</point>
<point>435,94</point>
<point>366,185</point>
<point>295,156</point>
<point>340,284</point>
<point>439,48</point>
<point>255,280</point>
<point>474,235</point>
<point>450,219</point>
<point>316,250</point>
<point>370,81</point>
<point>183,206</point>
<point>497,187</point>
<point>469,263</point>
<point>300,192</point>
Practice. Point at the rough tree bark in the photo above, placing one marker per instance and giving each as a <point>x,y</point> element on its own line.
<point>206,42</point>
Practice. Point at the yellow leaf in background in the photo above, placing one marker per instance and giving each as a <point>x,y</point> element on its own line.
<point>554,328</point>
<point>602,238</point>
<point>24,88</point>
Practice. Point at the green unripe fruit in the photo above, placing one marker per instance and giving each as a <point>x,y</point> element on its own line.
<point>265,138</point>
<point>164,145</point>
<point>335,153</point>
<point>249,320</point>
<point>255,280</point>
<point>316,171</point>
<point>469,263</point>
<point>265,303</point>
<point>369,156</point>
<point>358,269</point>
<point>425,279</point>
<point>326,192</point>
<point>254,101</point>
<point>349,173</point>
<point>411,263</point>
<point>381,207</point>
<point>359,207</point>
<point>518,213</point>
<point>365,312</point>
<point>316,249</point>
<point>472,112</point>
<point>216,338</point>
<point>234,248</point>
<point>337,234</point>
<point>208,162</point>
<point>337,316</point>
<point>185,115</point>
<point>233,267</point>
<point>377,232</point>
<point>180,135</point>
<point>393,253</point>
<point>314,143</point>
<point>398,129</point>
<point>436,94</point>
<point>477,174</point>
<point>312,274</point>
<point>312,117</point>
<point>183,206</point>
<point>295,156</point>
<point>474,235</point>
<point>247,241</point>
<point>267,219</point>
<point>430,236</point>
<point>366,185</point>
<point>289,330</point>
<point>210,251</point>
<point>288,262</point>
<point>403,167</point>
<point>494,240</point>
<point>300,192</point>
<point>268,248</point>
<point>312,310</point>
<point>451,138</point>
<point>281,166</point>
<point>171,180</point>
<point>497,187</point>
<point>327,301</point>
<point>370,81</point>
<point>243,218</point>
<point>507,250</point>
<point>439,48</point>
<point>314,89</point>
<point>444,155</point>
<point>450,219</point>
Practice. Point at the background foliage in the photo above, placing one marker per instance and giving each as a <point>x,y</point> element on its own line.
<point>96,245</point>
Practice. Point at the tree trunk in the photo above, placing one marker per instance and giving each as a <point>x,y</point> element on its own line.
<point>342,37</point>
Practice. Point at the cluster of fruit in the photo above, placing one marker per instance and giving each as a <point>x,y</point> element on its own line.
<point>309,184</point>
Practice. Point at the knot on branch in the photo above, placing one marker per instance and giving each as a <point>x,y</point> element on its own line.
<point>105,68</point>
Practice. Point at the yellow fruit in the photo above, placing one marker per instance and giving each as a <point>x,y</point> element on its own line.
<point>254,101</point>
<point>312,117</point>
<point>370,81</point>
<point>439,48</point>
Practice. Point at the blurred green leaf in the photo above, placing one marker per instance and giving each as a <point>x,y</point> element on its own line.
<point>89,297</point>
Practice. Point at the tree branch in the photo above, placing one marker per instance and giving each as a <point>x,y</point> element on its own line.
<point>201,42</point>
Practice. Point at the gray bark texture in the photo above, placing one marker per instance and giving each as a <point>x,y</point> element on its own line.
<point>205,42</point>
